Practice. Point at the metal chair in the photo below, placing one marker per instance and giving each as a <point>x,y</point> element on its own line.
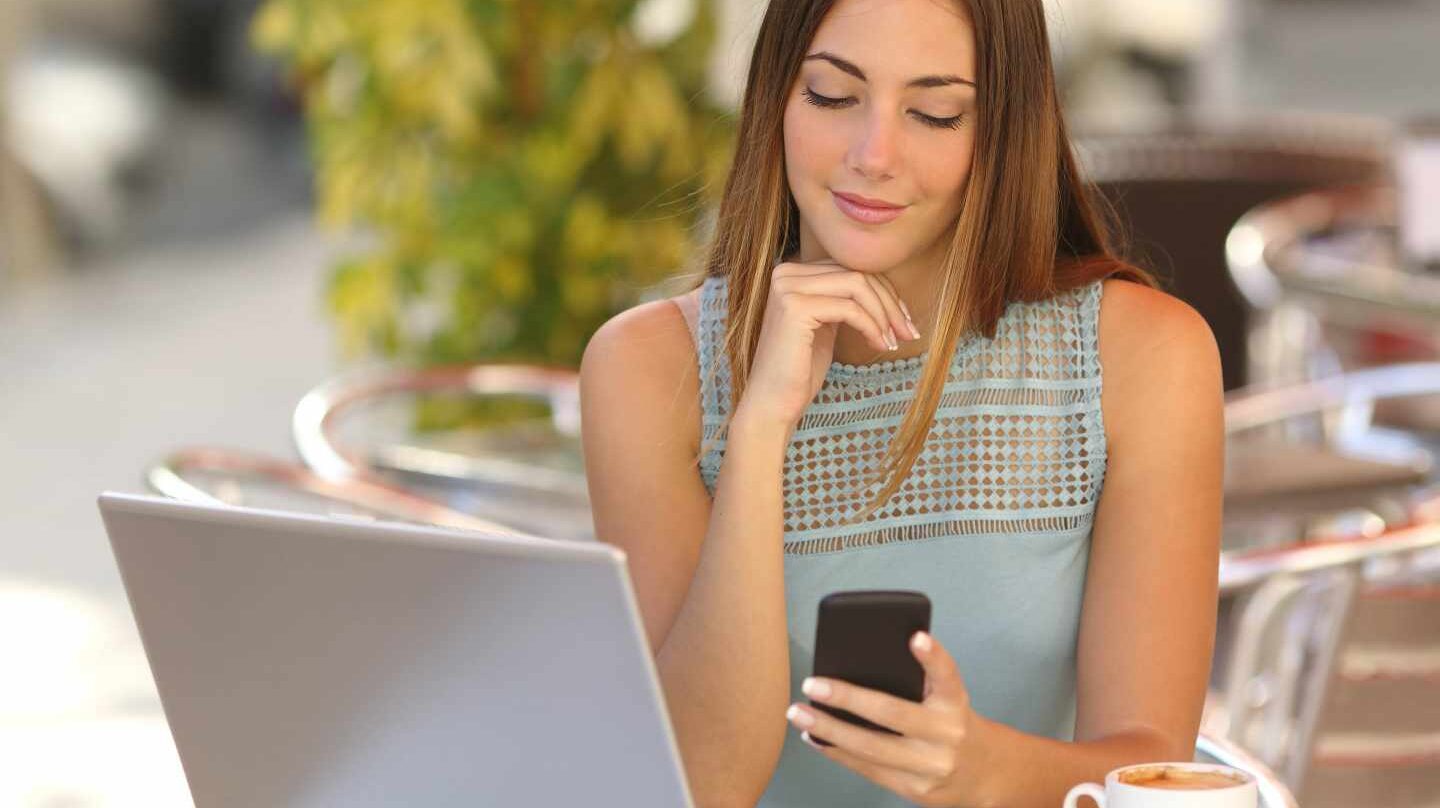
<point>224,476</point>
<point>1182,185</point>
<point>1313,661</point>
<point>1302,457</point>
<point>1288,635</point>
<point>1323,266</point>
<point>361,426</point>
<point>1299,668</point>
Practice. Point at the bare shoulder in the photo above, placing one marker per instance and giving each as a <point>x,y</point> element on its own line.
<point>1161,371</point>
<point>641,365</point>
<point>658,330</point>
<point>1144,331</point>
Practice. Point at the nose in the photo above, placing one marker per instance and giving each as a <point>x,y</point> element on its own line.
<point>873,154</point>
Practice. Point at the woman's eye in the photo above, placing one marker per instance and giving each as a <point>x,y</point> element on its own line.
<point>941,123</point>
<point>827,102</point>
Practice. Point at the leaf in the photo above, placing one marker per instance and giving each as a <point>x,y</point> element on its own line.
<point>360,292</point>
<point>523,167</point>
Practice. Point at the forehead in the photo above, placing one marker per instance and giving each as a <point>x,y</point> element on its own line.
<point>899,39</point>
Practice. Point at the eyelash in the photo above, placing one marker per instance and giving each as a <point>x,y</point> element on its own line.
<point>827,102</point>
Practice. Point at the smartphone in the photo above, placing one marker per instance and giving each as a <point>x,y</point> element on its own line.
<point>862,636</point>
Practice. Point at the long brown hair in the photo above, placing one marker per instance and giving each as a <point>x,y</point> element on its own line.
<point>1029,228</point>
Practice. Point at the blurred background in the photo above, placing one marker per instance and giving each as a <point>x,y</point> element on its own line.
<point>222,222</point>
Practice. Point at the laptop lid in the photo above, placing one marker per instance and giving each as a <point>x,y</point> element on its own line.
<point>306,661</point>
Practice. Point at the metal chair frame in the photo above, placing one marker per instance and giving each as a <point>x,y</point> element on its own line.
<point>1304,592</point>
<point>314,425</point>
<point>1290,311</point>
<point>169,478</point>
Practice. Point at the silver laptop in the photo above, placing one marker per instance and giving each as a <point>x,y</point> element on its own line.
<point>305,661</point>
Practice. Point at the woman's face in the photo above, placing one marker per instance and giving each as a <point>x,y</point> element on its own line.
<point>883,109</point>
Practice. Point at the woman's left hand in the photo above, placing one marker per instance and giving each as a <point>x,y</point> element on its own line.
<point>939,758</point>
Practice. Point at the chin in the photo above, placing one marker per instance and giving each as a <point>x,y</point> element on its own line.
<point>865,252</point>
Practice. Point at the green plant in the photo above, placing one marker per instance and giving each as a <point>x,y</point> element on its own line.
<point>520,170</point>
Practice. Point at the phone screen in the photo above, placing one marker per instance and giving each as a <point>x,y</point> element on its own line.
<point>863,637</point>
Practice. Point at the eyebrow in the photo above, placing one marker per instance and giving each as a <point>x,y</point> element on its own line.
<point>923,81</point>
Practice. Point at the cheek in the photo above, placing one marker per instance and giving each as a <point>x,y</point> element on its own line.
<point>810,147</point>
<point>946,179</point>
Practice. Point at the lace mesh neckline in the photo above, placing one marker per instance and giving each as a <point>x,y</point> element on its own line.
<point>1016,446</point>
<point>841,370</point>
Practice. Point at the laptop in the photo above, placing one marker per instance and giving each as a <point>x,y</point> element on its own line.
<point>308,661</point>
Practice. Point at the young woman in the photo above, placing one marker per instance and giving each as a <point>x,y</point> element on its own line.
<point>891,378</point>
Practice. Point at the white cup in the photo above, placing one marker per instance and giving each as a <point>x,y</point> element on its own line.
<point>1118,794</point>
<point>1417,180</point>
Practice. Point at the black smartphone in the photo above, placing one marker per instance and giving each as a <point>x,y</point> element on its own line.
<point>862,636</point>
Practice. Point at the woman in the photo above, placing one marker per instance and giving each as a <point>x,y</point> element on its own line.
<point>892,378</point>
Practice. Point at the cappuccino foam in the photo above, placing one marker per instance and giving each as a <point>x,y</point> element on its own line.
<point>1171,777</point>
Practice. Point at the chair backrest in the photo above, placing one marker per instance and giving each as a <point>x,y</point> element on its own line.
<point>1320,272</point>
<point>1325,685</point>
<point>1281,661</point>
<point>1334,647</point>
<point>1180,187</point>
<point>539,488</point>
<point>215,476</point>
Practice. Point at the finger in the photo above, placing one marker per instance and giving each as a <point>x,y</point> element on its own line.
<point>906,717</point>
<point>852,285</point>
<point>826,309</point>
<point>874,746</point>
<point>905,784</point>
<point>798,268</point>
<point>942,675</point>
<point>893,322</point>
<point>895,316</point>
<point>793,271</point>
<point>913,329</point>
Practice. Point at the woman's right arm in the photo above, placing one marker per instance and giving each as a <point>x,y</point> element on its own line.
<point>709,578</point>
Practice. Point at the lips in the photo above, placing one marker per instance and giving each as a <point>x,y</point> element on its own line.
<point>867,201</point>
<point>865,210</point>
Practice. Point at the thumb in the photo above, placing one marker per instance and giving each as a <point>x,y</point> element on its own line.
<point>942,675</point>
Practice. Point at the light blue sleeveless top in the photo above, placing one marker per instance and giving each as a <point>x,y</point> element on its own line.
<point>993,522</point>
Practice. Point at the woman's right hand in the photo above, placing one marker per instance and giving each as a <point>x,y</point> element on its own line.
<point>807,304</point>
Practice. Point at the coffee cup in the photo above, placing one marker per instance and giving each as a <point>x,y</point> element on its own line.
<point>1170,785</point>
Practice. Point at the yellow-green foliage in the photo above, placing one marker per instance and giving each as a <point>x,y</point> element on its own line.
<point>525,167</point>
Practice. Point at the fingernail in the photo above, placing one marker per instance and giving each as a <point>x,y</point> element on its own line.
<point>805,736</point>
<point>922,641</point>
<point>816,689</point>
<point>890,339</point>
<point>799,717</point>
<point>913,329</point>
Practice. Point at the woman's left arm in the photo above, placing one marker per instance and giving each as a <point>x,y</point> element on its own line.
<point>1147,623</point>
